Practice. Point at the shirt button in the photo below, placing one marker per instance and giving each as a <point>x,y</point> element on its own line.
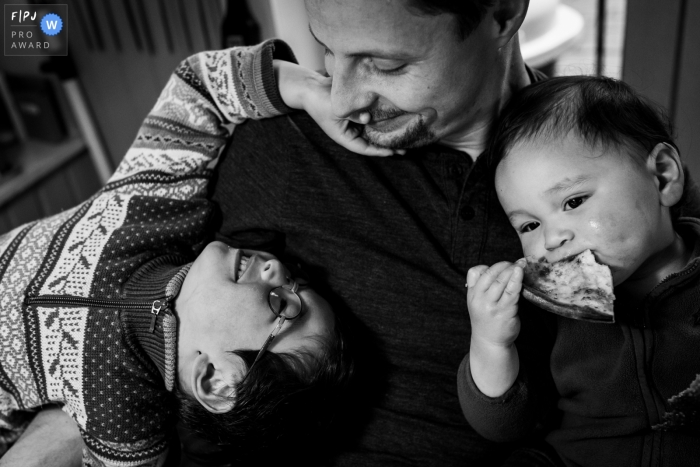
<point>466,213</point>
<point>456,170</point>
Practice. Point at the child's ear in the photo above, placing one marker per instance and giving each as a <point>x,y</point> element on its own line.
<point>665,163</point>
<point>214,386</point>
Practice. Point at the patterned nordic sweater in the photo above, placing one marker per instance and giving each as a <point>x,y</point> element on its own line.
<point>86,315</point>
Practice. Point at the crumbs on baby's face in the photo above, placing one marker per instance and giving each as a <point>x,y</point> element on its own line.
<point>563,196</point>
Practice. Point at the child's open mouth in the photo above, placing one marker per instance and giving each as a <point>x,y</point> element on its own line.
<point>242,265</point>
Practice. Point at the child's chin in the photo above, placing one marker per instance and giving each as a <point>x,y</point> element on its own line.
<point>619,276</point>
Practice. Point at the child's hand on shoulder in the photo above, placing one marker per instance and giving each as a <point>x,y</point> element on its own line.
<point>302,88</point>
<point>492,300</point>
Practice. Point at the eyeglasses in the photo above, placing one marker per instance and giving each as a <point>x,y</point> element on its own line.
<point>286,304</point>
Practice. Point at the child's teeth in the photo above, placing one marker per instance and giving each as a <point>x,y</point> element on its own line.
<point>242,266</point>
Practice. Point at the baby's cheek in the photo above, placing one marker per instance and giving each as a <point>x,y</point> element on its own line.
<point>606,229</point>
<point>530,245</point>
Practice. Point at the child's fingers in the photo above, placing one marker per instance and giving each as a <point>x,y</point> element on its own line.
<point>350,137</point>
<point>511,293</point>
<point>474,274</point>
<point>490,276</point>
<point>500,282</point>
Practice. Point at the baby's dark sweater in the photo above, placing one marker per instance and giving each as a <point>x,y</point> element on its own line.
<point>613,381</point>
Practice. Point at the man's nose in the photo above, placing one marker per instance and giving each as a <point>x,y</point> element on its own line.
<point>349,92</point>
<point>273,272</point>
<point>557,237</point>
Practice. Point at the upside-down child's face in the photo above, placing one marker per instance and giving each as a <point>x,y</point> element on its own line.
<point>563,196</point>
<point>223,306</point>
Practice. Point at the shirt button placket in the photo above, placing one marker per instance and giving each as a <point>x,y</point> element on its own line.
<point>466,212</point>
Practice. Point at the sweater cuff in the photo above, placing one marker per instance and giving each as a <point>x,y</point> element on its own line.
<point>501,419</point>
<point>467,385</point>
<point>267,96</point>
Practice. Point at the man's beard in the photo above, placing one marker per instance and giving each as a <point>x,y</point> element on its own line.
<point>414,135</point>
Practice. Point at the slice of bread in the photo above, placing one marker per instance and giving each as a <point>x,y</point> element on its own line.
<point>576,287</point>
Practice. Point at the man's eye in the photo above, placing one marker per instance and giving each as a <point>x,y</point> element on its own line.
<point>388,67</point>
<point>573,203</point>
<point>529,227</point>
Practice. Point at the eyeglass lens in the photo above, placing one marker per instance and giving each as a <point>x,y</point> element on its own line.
<point>284,302</point>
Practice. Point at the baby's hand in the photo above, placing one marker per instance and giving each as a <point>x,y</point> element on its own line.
<point>492,299</point>
<point>302,88</point>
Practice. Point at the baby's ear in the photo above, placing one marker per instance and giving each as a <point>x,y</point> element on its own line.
<point>215,386</point>
<point>665,163</point>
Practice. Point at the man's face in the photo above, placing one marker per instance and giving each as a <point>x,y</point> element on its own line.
<point>413,73</point>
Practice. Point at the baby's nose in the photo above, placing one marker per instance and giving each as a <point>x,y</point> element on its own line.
<point>557,238</point>
<point>553,245</point>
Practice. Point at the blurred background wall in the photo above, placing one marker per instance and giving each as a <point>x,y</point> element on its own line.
<point>65,122</point>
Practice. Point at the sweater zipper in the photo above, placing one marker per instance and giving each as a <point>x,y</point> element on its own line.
<point>675,275</point>
<point>650,384</point>
<point>155,306</point>
<point>643,306</point>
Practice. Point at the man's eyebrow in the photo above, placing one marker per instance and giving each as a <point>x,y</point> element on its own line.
<point>367,53</point>
<point>566,184</point>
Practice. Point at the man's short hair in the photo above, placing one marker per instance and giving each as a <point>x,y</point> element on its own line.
<point>286,400</point>
<point>469,13</point>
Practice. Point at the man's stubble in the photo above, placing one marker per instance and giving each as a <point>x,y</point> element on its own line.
<point>415,134</point>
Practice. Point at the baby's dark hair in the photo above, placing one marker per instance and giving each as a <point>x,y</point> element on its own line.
<point>601,111</point>
<point>285,400</point>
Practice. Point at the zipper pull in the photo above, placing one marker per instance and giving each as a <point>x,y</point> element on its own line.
<point>155,309</point>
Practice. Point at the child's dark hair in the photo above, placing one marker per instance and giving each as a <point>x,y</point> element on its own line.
<point>602,111</point>
<point>283,402</point>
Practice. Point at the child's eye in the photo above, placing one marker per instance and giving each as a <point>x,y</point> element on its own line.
<point>573,203</point>
<point>529,227</point>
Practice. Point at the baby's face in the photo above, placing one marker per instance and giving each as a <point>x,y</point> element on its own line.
<point>224,303</point>
<point>563,197</point>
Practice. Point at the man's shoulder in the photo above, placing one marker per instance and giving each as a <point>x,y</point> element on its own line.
<point>277,145</point>
<point>286,133</point>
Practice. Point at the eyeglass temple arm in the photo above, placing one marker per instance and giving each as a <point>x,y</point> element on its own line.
<point>269,339</point>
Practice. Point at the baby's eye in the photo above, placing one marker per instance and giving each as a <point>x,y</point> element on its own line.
<point>529,227</point>
<point>573,203</point>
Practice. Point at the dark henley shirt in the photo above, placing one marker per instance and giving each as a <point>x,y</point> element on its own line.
<point>391,239</point>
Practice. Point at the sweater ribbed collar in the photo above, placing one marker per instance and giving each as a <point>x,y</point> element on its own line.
<point>157,282</point>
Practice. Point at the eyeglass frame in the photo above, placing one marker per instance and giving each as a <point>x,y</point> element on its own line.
<point>293,287</point>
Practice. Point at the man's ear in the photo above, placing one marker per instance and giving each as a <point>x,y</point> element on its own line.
<point>509,16</point>
<point>214,387</point>
<point>664,163</point>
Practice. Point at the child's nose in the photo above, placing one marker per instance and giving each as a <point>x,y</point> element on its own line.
<point>274,272</point>
<point>557,239</point>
